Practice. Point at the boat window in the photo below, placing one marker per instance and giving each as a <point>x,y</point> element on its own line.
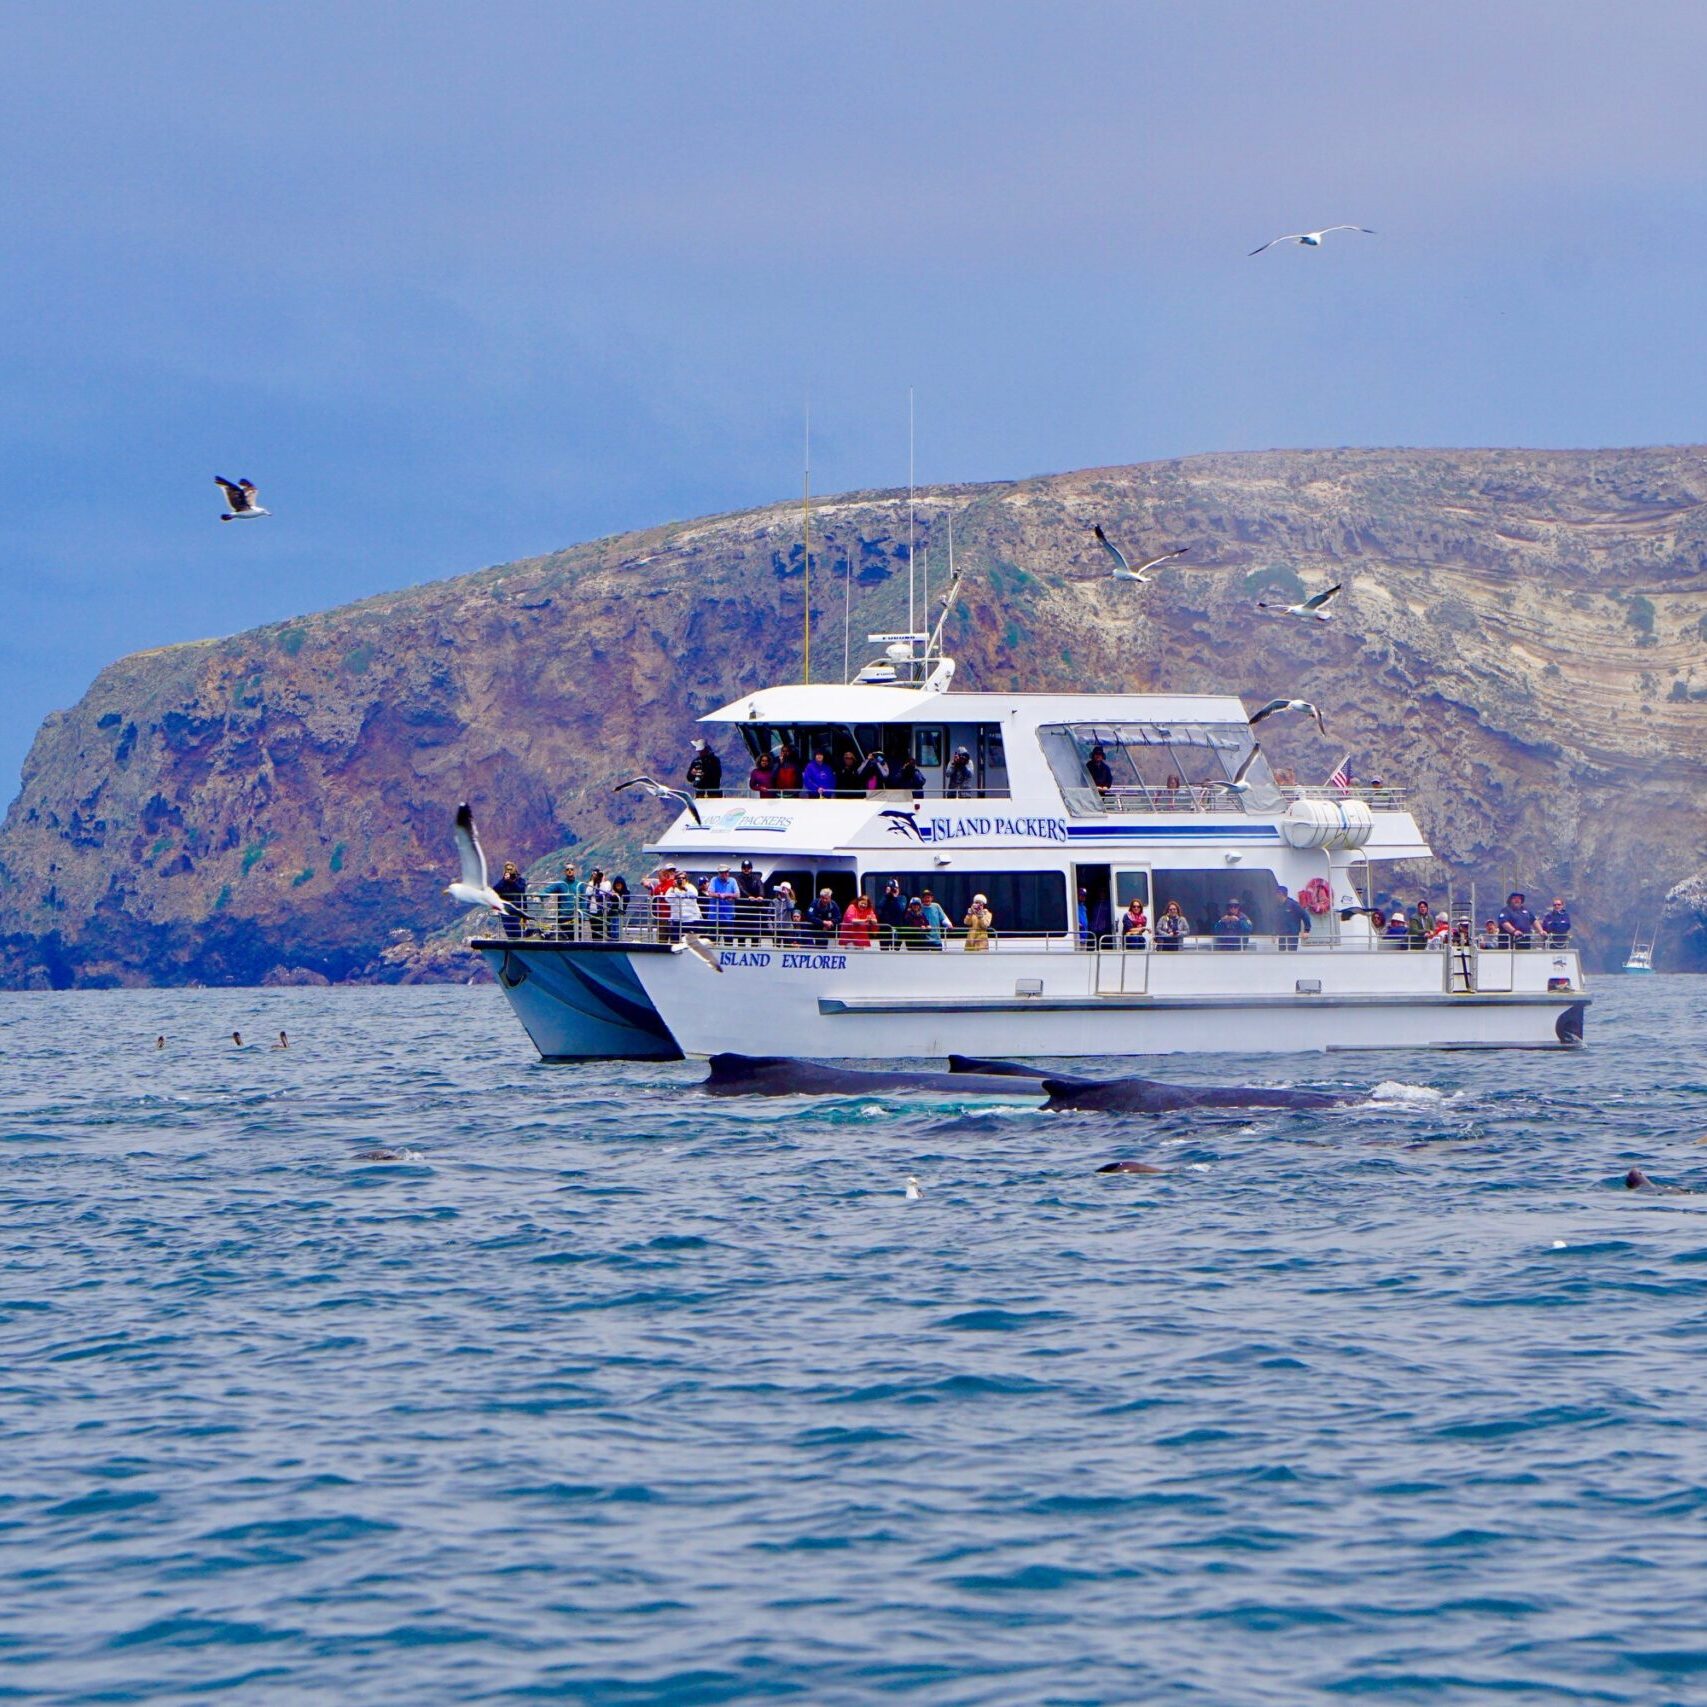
<point>928,745</point>
<point>1152,763</point>
<point>1203,896</point>
<point>799,881</point>
<point>1024,903</point>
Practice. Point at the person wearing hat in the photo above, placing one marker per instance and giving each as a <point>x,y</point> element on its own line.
<point>979,921</point>
<point>1233,928</point>
<point>784,913</point>
<point>1396,933</point>
<point>891,914</point>
<point>721,894</point>
<point>705,772</point>
<point>1516,922</point>
<point>936,920</point>
<point>1556,922</point>
<point>1096,768</point>
<point>749,904</point>
<point>957,783</point>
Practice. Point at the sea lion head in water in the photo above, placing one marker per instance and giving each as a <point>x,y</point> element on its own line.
<point>1636,1180</point>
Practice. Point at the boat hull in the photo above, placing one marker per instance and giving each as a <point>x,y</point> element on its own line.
<point>584,1001</point>
<point>581,1001</point>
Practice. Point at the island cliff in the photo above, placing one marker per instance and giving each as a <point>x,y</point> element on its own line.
<point>1522,642</point>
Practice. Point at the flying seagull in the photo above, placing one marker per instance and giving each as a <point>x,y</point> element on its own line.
<point>1238,785</point>
<point>1303,705</point>
<point>1311,239</point>
<point>698,945</point>
<point>1122,570</point>
<point>1312,606</point>
<point>659,792</point>
<point>472,887</point>
<point>240,495</point>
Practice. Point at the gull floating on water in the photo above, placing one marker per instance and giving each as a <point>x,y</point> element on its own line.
<point>240,495</point>
<point>1303,705</point>
<point>1122,570</point>
<point>659,791</point>
<point>1311,239</point>
<point>472,888</point>
<point>914,1190</point>
<point>1311,606</point>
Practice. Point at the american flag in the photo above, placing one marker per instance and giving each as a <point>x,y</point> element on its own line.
<point>1341,779</point>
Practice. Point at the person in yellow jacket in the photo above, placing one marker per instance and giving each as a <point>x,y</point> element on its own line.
<point>980,924</point>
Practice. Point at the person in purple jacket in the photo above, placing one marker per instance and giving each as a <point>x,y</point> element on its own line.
<point>819,781</point>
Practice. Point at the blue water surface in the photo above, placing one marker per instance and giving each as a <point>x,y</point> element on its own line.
<point>614,1393</point>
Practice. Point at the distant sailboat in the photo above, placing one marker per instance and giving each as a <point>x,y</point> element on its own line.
<point>1641,955</point>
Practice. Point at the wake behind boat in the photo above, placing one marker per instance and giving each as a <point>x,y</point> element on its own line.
<point>1027,828</point>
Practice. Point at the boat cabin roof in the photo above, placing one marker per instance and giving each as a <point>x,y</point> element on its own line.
<point>832,702</point>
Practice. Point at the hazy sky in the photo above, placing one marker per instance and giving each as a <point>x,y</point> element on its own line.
<point>457,284</point>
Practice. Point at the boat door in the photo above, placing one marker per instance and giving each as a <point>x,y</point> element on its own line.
<point>992,760</point>
<point>1120,969</point>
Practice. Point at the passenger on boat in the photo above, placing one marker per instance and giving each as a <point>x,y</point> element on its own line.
<point>847,775</point>
<point>1422,924</point>
<point>761,779</point>
<point>512,890</point>
<point>1085,921</point>
<point>705,773</point>
<point>1171,928</point>
<point>825,917</point>
<point>1233,929</point>
<point>910,777</point>
<point>915,927</point>
<point>819,781</point>
<point>858,923</point>
<point>784,913</point>
<point>659,887</point>
<point>874,773</point>
<point>685,910</point>
<point>722,892</point>
<point>1556,922</point>
<point>750,907</point>
<point>980,923</point>
<point>563,910</point>
<point>1397,933</point>
<point>1491,935</point>
<point>937,924</point>
<point>1517,922</point>
<point>1442,931</point>
<point>595,904</point>
<point>619,903</point>
<point>1096,768</point>
<point>957,784</point>
<point>1135,925</point>
<point>787,775</point>
<point>891,913</point>
<point>1294,920</point>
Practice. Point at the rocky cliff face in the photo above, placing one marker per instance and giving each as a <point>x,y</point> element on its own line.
<point>1522,641</point>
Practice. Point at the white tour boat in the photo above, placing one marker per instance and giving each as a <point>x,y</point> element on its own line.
<point>1190,812</point>
<point>1641,955</point>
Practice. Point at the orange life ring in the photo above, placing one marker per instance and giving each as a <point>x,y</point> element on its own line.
<point>1316,896</point>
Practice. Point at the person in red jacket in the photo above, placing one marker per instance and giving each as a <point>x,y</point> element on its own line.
<point>858,922</point>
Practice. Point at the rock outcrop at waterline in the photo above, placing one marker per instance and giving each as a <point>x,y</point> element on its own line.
<point>1522,642</point>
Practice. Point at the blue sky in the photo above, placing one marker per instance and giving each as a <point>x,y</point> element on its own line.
<point>457,284</point>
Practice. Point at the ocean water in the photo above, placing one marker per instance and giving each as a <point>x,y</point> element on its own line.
<point>613,1393</point>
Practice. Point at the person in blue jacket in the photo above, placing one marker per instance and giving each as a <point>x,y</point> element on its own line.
<point>721,894</point>
<point>1516,922</point>
<point>1556,922</point>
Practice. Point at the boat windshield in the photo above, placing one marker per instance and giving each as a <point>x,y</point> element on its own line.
<point>1158,766</point>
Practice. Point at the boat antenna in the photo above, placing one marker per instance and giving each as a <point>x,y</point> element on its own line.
<point>806,538</point>
<point>925,600</point>
<point>912,621</point>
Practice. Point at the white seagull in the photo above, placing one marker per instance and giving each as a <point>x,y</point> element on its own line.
<point>240,495</point>
<point>914,1190</point>
<point>1303,705</point>
<point>472,888</point>
<point>659,792</point>
<point>1312,606</point>
<point>1311,239</point>
<point>1122,570</point>
<point>1238,785</point>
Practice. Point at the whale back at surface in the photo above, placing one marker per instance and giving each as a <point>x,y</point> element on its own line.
<point>782,1076</point>
<point>1151,1096</point>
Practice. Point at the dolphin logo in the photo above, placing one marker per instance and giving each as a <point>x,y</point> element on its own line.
<point>901,823</point>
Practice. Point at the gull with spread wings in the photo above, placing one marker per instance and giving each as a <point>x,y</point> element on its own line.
<point>240,495</point>
<point>1312,606</point>
<point>472,887</point>
<point>1303,705</point>
<point>1311,239</point>
<point>1122,570</point>
<point>659,791</point>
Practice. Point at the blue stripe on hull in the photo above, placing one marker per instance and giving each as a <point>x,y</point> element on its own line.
<point>580,1003</point>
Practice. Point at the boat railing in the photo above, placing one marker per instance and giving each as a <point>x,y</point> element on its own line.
<point>1211,797</point>
<point>553,916</point>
